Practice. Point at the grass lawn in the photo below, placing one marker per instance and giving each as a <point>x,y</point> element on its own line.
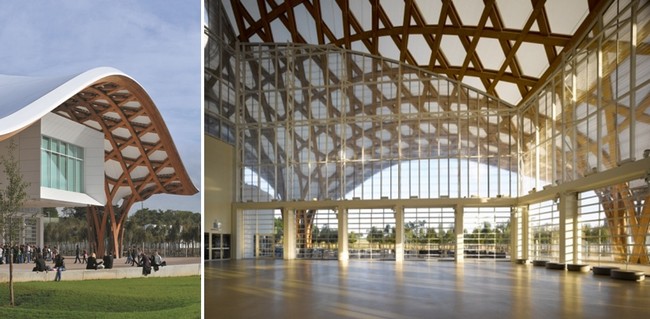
<point>163,297</point>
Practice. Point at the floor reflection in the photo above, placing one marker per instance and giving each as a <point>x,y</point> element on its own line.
<point>385,289</point>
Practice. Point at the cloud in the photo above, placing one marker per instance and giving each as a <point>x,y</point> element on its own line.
<point>158,43</point>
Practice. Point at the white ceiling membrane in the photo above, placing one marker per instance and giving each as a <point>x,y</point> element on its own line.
<point>486,43</point>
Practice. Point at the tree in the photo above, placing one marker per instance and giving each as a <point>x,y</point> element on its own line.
<point>375,235</point>
<point>595,235</point>
<point>431,237</point>
<point>50,212</point>
<point>66,233</point>
<point>352,238</point>
<point>12,198</point>
<point>389,235</point>
<point>414,232</point>
<point>329,236</point>
<point>158,229</point>
<point>278,226</point>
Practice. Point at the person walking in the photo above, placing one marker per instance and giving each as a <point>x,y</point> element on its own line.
<point>76,255</point>
<point>133,257</point>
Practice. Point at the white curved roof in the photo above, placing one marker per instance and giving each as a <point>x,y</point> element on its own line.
<point>23,100</point>
<point>140,156</point>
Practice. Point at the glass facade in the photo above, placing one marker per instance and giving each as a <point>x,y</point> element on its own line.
<point>613,227</point>
<point>429,233</point>
<point>371,233</point>
<point>219,75</point>
<point>61,165</point>
<point>317,234</point>
<point>487,232</point>
<point>544,231</point>
<point>319,122</point>
<point>591,115</point>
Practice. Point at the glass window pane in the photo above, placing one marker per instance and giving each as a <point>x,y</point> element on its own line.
<point>54,160</point>
<point>61,165</point>
<point>62,173</point>
<point>71,175</point>
<point>80,176</point>
<point>45,172</point>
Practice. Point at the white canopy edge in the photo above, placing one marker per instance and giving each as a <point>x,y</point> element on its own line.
<point>24,100</point>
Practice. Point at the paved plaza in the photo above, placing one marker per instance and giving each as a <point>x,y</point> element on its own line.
<point>118,263</point>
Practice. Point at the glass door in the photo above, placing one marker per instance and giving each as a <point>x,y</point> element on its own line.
<point>217,246</point>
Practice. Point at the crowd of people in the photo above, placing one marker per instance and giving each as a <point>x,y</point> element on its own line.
<point>134,257</point>
<point>26,253</point>
<point>41,256</point>
<point>137,257</point>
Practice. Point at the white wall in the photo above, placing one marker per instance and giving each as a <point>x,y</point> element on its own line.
<point>29,157</point>
<point>219,185</point>
<point>92,142</point>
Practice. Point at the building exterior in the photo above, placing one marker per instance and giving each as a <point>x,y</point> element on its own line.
<point>91,139</point>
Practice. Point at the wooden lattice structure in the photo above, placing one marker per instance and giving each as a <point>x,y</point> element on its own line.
<point>140,157</point>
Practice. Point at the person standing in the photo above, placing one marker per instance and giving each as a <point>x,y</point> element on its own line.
<point>21,253</point>
<point>133,257</point>
<point>29,254</point>
<point>47,253</point>
<point>76,255</point>
<point>59,264</point>
<point>146,264</point>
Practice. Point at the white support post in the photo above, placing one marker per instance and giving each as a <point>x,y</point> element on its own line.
<point>238,234</point>
<point>289,239</point>
<point>342,216</point>
<point>577,237</point>
<point>519,233</point>
<point>525,233</point>
<point>460,239</point>
<point>399,233</point>
<point>567,207</point>
<point>515,234</point>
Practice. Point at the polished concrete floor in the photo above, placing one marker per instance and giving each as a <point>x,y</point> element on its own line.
<point>427,289</point>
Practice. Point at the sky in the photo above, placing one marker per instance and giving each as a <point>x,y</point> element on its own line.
<point>158,43</point>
